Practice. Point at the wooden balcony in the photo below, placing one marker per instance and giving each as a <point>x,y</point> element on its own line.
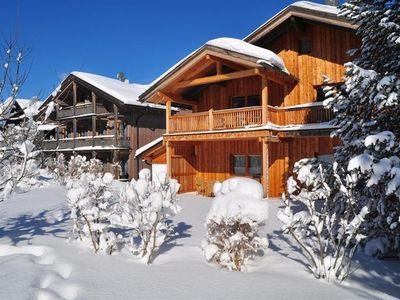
<point>97,141</point>
<point>295,115</point>
<point>216,120</point>
<point>80,110</point>
<point>227,119</point>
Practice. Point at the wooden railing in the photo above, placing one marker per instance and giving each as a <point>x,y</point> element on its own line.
<point>299,115</point>
<point>80,109</point>
<point>97,141</point>
<point>248,116</point>
<point>216,120</point>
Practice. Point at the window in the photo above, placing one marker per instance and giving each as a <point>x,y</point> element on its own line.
<point>239,165</point>
<point>238,102</point>
<point>253,100</point>
<point>246,165</point>
<point>254,163</point>
<point>245,101</point>
<point>305,46</point>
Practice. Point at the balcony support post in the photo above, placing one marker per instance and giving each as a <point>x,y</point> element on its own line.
<point>264,99</point>
<point>168,154</point>
<point>167,115</point>
<point>211,120</point>
<point>265,167</point>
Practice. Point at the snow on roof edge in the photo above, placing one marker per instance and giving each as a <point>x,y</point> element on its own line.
<point>148,146</point>
<point>310,6</point>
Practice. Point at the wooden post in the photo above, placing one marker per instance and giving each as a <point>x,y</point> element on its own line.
<point>74,132</point>
<point>168,154</point>
<point>94,102</point>
<point>264,99</point>
<point>218,67</point>
<point>74,96</point>
<point>265,168</point>
<point>167,115</point>
<point>210,120</point>
<point>115,126</point>
<point>93,130</point>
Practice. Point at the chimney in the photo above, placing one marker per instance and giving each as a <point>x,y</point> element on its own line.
<point>332,2</point>
<point>121,77</point>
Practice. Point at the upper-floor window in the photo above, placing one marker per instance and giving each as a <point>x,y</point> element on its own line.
<point>244,101</point>
<point>305,45</point>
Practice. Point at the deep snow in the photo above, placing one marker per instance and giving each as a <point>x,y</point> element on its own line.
<point>38,262</point>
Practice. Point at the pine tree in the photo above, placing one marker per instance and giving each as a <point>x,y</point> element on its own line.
<point>367,114</point>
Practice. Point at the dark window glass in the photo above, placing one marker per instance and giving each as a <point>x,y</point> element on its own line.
<point>238,102</point>
<point>253,100</point>
<point>239,164</point>
<point>305,46</point>
<point>255,165</point>
<point>320,94</point>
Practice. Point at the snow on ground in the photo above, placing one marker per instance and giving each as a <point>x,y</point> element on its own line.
<point>38,262</point>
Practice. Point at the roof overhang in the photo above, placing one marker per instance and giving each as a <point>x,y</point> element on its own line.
<point>315,15</point>
<point>197,56</point>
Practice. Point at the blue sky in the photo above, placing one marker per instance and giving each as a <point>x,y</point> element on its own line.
<point>140,38</point>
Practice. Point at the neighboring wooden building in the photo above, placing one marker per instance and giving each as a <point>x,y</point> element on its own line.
<point>100,117</point>
<point>253,112</point>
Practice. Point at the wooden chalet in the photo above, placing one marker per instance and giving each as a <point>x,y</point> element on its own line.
<point>100,117</point>
<point>255,104</point>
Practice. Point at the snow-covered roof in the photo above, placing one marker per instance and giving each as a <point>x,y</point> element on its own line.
<point>262,56</point>
<point>123,91</point>
<point>303,9</point>
<point>146,147</point>
<point>30,106</point>
<point>316,7</point>
<point>126,92</point>
<point>242,47</point>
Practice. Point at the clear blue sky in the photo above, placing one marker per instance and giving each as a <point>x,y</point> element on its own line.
<point>140,38</point>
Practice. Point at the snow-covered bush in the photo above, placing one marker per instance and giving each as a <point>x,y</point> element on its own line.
<point>145,208</point>
<point>322,216</point>
<point>73,169</point>
<point>90,200</point>
<point>236,215</point>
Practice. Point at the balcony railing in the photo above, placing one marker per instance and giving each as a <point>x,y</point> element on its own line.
<point>97,141</point>
<point>81,109</point>
<point>248,116</point>
<point>216,120</point>
<point>299,114</point>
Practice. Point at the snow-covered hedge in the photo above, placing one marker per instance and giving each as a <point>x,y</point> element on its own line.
<point>145,208</point>
<point>77,165</point>
<point>233,222</point>
<point>141,209</point>
<point>321,215</point>
<point>90,200</point>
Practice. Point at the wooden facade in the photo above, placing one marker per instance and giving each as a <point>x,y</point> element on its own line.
<point>90,122</point>
<point>251,120</point>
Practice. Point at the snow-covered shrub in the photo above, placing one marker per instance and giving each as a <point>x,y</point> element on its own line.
<point>236,215</point>
<point>90,200</point>
<point>145,208</point>
<point>323,217</point>
<point>72,170</point>
<point>19,156</point>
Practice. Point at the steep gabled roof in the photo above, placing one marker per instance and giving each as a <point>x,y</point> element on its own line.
<point>126,93</point>
<point>226,46</point>
<point>303,9</point>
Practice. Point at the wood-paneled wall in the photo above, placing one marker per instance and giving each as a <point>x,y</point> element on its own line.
<point>211,161</point>
<point>146,135</point>
<point>328,55</point>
